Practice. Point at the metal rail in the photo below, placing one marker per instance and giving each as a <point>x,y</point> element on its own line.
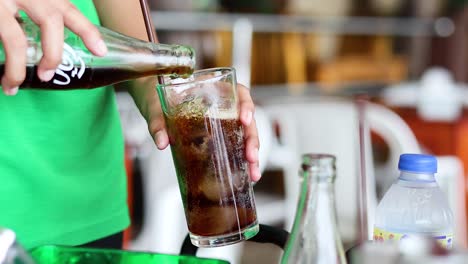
<point>205,21</point>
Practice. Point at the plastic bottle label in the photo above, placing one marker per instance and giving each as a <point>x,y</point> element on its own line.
<point>381,235</point>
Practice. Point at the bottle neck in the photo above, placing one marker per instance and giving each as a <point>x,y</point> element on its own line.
<point>411,179</point>
<point>323,220</point>
<point>148,57</point>
<point>417,177</point>
<point>319,176</point>
<point>314,236</point>
<point>181,59</point>
<point>317,195</point>
<point>321,199</point>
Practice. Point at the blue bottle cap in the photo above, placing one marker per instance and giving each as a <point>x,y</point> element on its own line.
<point>418,163</point>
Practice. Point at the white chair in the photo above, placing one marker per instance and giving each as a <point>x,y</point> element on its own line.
<point>452,182</point>
<point>330,125</point>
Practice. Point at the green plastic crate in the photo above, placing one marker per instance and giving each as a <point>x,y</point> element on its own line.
<point>76,255</point>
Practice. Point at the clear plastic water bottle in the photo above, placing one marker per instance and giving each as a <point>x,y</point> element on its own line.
<point>415,204</point>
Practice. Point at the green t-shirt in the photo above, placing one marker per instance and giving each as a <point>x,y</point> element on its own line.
<point>62,175</point>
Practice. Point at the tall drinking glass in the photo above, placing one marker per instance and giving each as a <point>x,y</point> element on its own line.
<point>207,144</point>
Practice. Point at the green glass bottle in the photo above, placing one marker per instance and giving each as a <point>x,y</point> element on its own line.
<point>314,236</point>
<point>127,58</point>
<point>76,255</point>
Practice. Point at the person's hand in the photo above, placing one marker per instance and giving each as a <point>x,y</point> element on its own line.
<point>158,129</point>
<point>51,16</point>
<point>252,143</point>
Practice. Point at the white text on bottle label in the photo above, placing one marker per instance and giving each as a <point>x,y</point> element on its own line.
<point>72,66</point>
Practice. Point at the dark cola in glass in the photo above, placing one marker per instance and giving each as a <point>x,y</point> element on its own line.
<point>207,143</point>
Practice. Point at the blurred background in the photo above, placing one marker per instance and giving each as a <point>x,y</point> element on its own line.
<point>306,62</point>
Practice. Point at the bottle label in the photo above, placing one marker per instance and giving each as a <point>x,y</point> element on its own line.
<point>381,235</point>
<point>72,66</point>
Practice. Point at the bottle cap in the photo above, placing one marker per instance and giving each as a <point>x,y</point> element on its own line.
<point>418,163</point>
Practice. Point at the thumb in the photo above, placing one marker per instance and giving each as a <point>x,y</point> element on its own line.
<point>157,128</point>
<point>161,139</point>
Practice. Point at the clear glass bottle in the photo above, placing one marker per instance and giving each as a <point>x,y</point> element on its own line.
<point>314,237</point>
<point>127,58</point>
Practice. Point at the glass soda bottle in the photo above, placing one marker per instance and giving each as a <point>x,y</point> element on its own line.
<point>414,204</point>
<point>127,58</point>
<point>314,236</point>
